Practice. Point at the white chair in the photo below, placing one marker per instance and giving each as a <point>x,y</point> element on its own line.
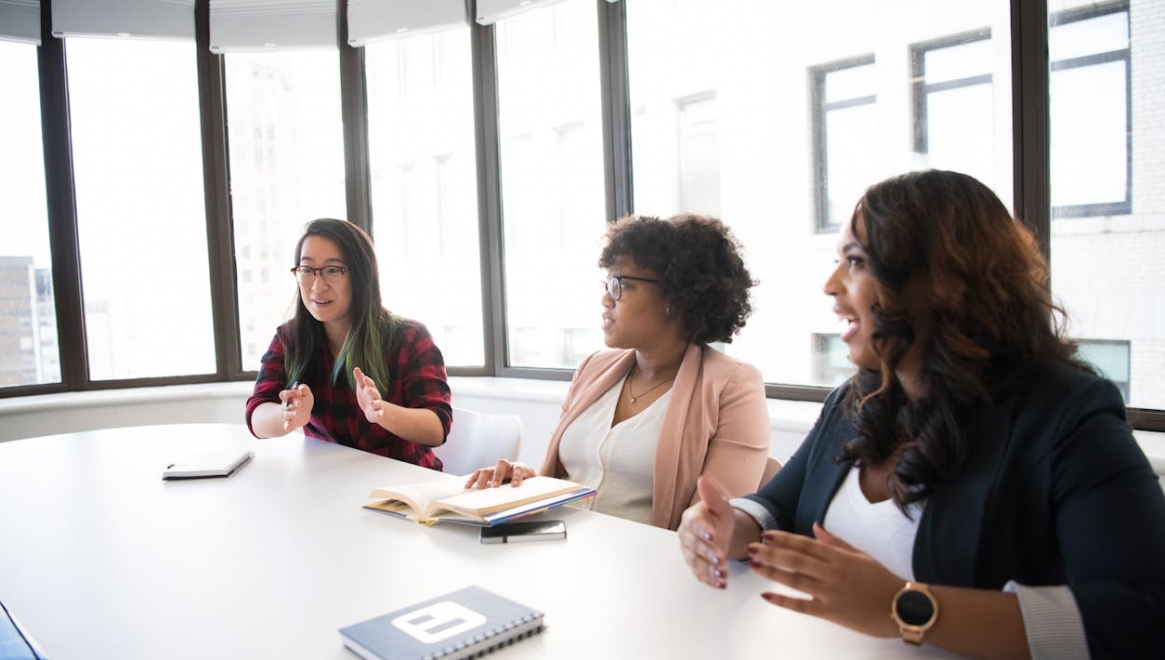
<point>478,440</point>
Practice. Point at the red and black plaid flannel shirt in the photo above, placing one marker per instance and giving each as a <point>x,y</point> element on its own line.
<point>417,373</point>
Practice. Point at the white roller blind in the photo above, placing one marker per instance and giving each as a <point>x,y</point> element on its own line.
<point>492,11</point>
<point>369,20</point>
<point>240,25</point>
<point>20,21</point>
<point>165,19</point>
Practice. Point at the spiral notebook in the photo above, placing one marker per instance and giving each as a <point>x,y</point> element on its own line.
<point>462,624</point>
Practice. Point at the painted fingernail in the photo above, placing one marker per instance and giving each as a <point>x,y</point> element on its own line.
<point>719,573</point>
<point>720,584</point>
<point>707,536</point>
<point>754,563</point>
<point>716,561</point>
<point>752,550</point>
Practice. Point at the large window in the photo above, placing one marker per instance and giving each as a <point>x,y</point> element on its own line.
<point>424,186</point>
<point>1108,186</point>
<point>141,221</point>
<point>287,168</point>
<point>773,120</point>
<point>28,326</point>
<point>550,127</point>
<point>778,124</point>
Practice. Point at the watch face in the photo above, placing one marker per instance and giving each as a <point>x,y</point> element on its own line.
<point>914,608</point>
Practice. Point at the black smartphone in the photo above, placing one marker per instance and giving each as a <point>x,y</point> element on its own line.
<point>524,530</point>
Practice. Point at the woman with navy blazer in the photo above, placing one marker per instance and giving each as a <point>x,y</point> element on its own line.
<point>974,486</point>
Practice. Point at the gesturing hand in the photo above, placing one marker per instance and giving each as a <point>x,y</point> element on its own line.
<point>368,396</point>
<point>297,404</point>
<point>705,532</point>
<point>498,474</point>
<point>844,585</point>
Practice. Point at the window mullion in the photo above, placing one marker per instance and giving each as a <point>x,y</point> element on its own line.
<point>62,211</point>
<point>216,178</point>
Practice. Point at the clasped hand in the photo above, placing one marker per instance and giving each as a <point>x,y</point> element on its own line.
<point>839,582</point>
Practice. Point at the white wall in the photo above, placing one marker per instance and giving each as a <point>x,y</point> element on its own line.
<point>538,403</point>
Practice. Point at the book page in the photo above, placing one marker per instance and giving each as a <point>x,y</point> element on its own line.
<point>421,496</point>
<point>488,500</point>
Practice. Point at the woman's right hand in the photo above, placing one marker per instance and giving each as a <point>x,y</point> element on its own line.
<point>705,533</point>
<point>297,404</point>
<point>497,475</point>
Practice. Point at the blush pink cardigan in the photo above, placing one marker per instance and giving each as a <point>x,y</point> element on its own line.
<point>716,423</point>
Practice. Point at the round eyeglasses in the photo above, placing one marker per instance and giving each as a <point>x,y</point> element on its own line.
<point>330,274</point>
<point>615,284</point>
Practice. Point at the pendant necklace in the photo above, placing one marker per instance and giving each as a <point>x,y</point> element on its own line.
<point>631,392</point>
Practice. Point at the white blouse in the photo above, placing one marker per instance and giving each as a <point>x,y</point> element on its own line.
<point>878,528</point>
<point>617,461</point>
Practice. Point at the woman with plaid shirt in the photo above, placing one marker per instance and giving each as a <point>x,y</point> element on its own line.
<point>345,369</point>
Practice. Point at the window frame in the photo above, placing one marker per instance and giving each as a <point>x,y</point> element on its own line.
<point>1076,15</point>
<point>922,89</point>
<point>819,108</point>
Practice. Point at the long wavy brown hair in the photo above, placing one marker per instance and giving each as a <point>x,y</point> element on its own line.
<point>967,284</point>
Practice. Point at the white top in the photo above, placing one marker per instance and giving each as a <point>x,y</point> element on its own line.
<point>617,461</point>
<point>878,528</point>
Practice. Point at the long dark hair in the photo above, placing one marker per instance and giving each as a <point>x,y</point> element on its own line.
<point>372,325</point>
<point>962,280</point>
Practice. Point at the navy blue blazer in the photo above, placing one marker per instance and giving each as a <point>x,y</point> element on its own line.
<point>1055,491</point>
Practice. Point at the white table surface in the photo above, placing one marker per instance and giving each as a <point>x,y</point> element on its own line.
<point>100,558</point>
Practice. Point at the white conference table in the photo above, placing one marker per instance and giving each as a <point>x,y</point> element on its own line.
<point>100,558</point>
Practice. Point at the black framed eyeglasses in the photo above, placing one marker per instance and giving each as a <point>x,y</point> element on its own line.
<point>615,284</point>
<point>330,274</point>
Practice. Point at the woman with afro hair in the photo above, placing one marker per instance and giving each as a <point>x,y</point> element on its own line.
<point>644,419</point>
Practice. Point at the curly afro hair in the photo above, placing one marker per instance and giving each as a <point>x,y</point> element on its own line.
<point>700,270</point>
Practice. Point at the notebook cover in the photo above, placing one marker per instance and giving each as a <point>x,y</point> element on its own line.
<point>460,624</point>
<point>208,465</point>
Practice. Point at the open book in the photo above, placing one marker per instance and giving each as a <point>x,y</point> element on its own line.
<point>447,500</point>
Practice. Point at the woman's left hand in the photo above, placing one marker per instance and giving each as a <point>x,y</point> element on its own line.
<point>368,396</point>
<point>844,585</point>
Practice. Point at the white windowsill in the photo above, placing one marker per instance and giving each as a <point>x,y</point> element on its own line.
<point>786,417</point>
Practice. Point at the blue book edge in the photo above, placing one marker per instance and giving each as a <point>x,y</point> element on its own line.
<point>15,642</point>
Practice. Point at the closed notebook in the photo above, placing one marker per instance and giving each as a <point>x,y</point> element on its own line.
<point>207,465</point>
<point>463,624</point>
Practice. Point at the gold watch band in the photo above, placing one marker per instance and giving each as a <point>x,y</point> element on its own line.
<point>914,601</point>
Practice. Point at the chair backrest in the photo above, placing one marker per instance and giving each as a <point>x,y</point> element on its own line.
<point>772,466</point>
<point>478,440</point>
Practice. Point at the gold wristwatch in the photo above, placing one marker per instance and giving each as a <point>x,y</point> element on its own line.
<point>915,610</point>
